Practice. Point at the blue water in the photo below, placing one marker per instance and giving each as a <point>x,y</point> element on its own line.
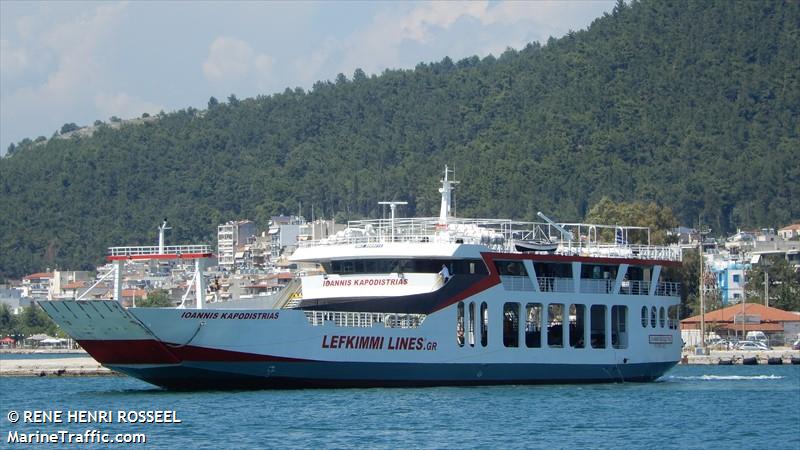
<point>691,407</point>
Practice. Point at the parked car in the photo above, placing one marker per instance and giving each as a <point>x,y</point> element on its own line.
<point>796,345</point>
<point>751,346</point>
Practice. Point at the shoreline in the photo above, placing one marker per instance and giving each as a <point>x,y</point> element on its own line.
<point>58,367</point>
<point>49,351</point>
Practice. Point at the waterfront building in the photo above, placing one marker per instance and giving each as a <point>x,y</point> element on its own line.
<point>37,285</point>
<point>284,231</point>
<point>231,238</point>
<point>735,321</point>
<point>64,283</point>
<point>730,272</point>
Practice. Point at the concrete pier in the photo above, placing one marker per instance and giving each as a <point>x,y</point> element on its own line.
<point>60,367</point>
<point>737,356</point>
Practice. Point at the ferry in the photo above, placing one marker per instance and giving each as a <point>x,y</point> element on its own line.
<point>410,302</point>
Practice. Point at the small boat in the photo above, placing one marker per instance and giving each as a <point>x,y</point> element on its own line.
<point>750,361</point>
<point>535,246</point>
<point>725,361</point>
<point>775,361</point>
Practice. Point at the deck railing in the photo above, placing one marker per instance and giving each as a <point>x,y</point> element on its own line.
<point>552,284</point>
<point>364,319</point>
<point>500,236</point>
<point>516,283</point>
<point>588,286</point>
<point>154,250</point>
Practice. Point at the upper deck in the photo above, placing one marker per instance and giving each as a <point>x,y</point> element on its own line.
<point>427,237</point>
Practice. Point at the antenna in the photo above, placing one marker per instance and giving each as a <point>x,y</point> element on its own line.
<point>392,206</point>
<point>163,227</point>
<point>446,190</point>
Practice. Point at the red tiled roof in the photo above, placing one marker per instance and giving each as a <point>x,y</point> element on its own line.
<point>74,285</point>
<point>134,292</point>
<point>794,226</point>
<point>767,314</point>
<point>727,326</point>
<point>38,275</point>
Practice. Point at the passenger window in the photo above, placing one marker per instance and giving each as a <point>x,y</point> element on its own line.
<point>511,324</point>
<point>484,324</point>
<point>472,324</point>
<point>577,320</point>
<point>555,325</point>
<point>533,325</point>
<point>598,326</point>
<point>460,324</point>
<point>653,317</point>
<point>644,316</point>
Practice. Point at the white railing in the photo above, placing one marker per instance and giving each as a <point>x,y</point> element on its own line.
<point>635,288</point>
<point>154,250</point>
<point>498,235</point>
<point>550,284</point>
<point>590,286</point>
<point>364,319</point>
<point>516,283</point>
<point>669,288</point>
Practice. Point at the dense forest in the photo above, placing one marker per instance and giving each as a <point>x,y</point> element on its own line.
<point>692,105</point>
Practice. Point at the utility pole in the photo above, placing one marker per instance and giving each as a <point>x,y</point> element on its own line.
<point>702,232</point>
<point>766,287</point>
<point>701,288</point>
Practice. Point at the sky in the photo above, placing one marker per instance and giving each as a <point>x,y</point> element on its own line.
<point>76,62</point>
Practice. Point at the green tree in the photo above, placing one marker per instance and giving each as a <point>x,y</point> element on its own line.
<point>156,299</point>
<point>658,218</point>
<point>784,284</point>
<point>34,320</point>
<point>68,127</point>
<point>9,325</point>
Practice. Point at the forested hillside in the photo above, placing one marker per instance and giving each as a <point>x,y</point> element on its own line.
<point>693,105</point>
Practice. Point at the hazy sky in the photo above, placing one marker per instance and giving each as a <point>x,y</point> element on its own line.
<point>77,62</point>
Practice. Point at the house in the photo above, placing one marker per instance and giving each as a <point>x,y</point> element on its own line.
<point>737,320</point>
<point>37,285</point>
<point>790,232</point>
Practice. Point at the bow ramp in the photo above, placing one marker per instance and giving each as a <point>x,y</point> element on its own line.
<point>106,330</point>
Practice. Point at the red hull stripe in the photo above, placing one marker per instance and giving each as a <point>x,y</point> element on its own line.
<point>148,351</point>
<point>143,351</point>
<point>491,280</point>
<point>169,256</point>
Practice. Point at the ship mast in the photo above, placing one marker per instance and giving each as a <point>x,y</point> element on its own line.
<point>446,190</point>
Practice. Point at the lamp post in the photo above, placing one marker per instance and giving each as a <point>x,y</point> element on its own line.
<point>702,286</point>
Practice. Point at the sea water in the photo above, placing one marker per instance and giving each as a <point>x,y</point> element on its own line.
<point>690,407</point>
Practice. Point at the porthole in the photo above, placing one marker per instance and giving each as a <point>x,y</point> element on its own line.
<point>644,316</point>
<point>653,313</point>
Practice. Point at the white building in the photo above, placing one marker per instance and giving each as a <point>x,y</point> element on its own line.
<point>231,238</point>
